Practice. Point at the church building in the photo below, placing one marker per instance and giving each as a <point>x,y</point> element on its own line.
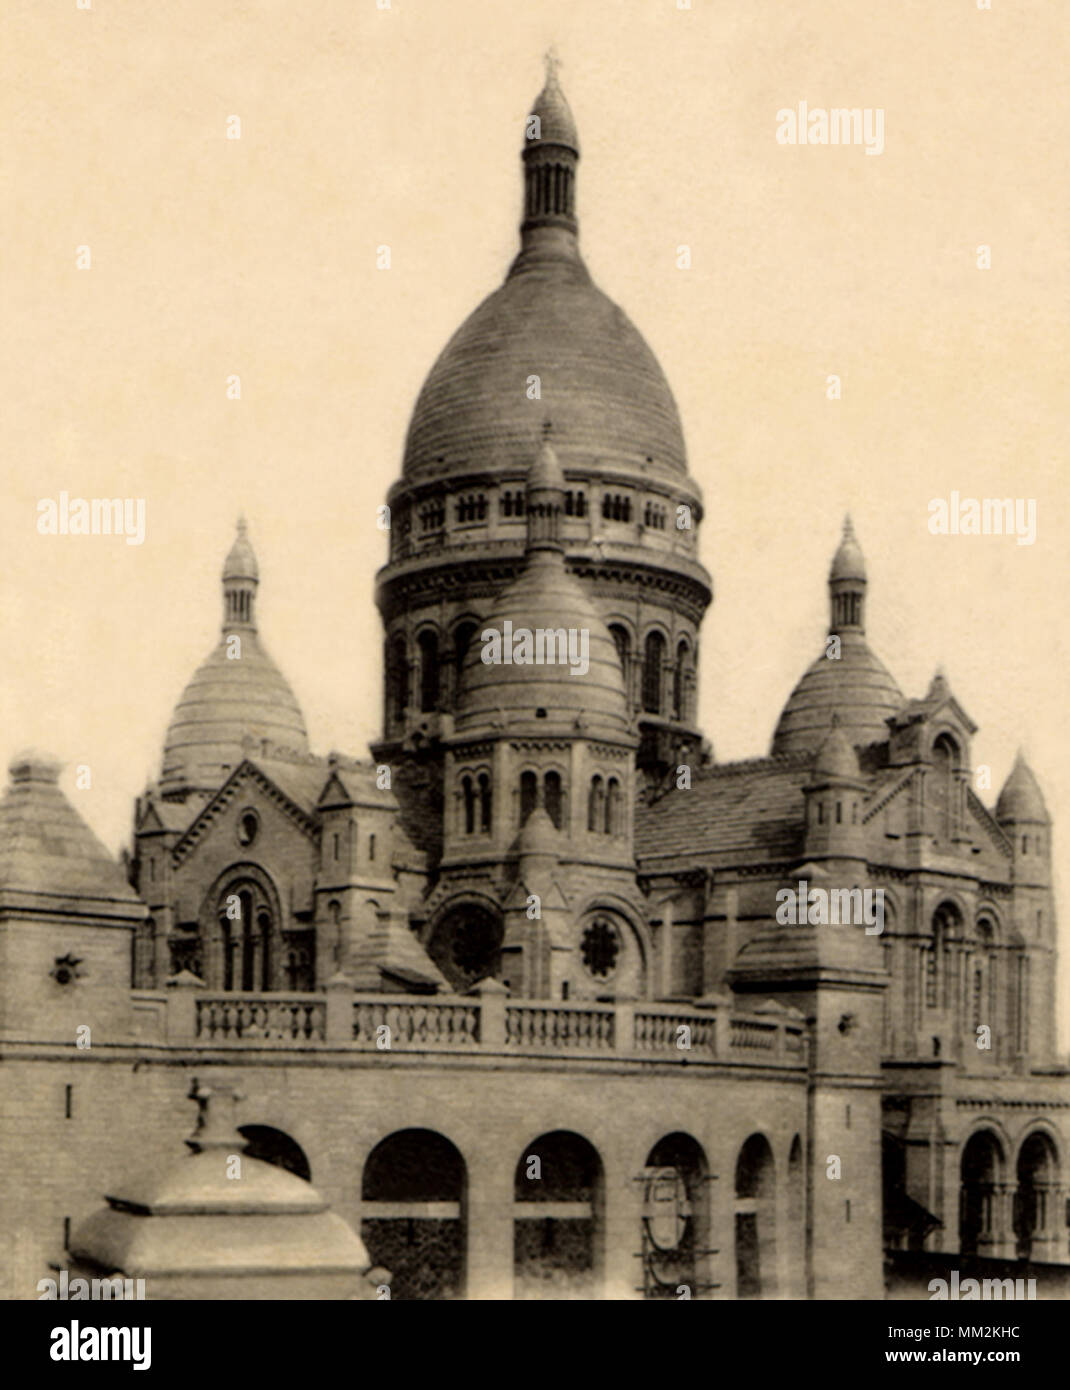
<point>539,998</point>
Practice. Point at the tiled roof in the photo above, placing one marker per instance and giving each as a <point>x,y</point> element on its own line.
<point>301,782</point>
<point>750,810</point>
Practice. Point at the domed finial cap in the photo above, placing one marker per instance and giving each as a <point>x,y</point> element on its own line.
<point>556,124</point>
<point>546,470</point>
<point>241,562</point>
<point>848,562</point>
<point>539,835</point>
<point>836,759</point>
<point>938,686</point>
<point>32,765</point>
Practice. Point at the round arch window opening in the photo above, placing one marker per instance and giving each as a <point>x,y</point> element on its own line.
<point>600,949</point>
<point>248,827</point>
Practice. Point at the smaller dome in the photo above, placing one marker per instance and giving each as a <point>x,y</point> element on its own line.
<point>225,700</point>
<point>556,123</point>
<point>848,562</point>
<point>1021,798</point>
<point>856,686</point>
<point>544,598</point>
<point>241,562</point>
<point>836,760</point>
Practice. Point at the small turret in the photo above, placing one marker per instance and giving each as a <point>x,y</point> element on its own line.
<point>834,800</point>
<point>1023,816</point>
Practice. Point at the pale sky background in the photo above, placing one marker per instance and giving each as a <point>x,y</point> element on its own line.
<point>363,126</point>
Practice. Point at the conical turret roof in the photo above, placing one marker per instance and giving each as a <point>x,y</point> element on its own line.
<point>1021,798</point>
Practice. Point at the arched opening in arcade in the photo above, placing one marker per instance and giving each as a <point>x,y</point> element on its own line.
<point>676,1219</point>
<point>755,1213</point>
<point>275,1146</point>
<point>558,1220</point>
<point>980,1207</point>
<point>796,1234</point>
<point>1040,1216</point>
<point>413,1219</point>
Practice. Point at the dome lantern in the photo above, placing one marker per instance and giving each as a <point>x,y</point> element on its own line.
<point>551,153</point>
<point>241,575</point>
<point>847,584</point>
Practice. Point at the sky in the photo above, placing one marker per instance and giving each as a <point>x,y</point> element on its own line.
<point>363,126</point>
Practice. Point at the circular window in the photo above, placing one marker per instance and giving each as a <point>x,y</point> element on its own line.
<point>248,825</point>
<point>600,948</point>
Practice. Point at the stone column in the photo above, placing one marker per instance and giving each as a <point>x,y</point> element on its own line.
<point>490,1224</point>
<point>621,1216</point>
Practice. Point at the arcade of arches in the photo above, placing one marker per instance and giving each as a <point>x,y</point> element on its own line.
<point>415,1199</point>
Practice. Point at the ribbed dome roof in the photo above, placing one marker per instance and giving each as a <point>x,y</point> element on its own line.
<point>545,595</point>
<point>600,383</point>
<point>227,700</point>
<point>1021,798</point>
<point>857,687</point>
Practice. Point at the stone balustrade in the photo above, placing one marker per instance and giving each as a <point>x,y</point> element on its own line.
<point>486,1021</point>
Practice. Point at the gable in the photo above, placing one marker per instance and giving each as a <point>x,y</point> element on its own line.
<point>248,787</point>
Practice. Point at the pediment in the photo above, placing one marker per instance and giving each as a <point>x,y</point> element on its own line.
<point>245,777</point>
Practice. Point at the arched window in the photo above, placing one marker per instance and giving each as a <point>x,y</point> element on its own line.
<point>428,671</point>
<point>653,660</point>
<point>462,640</point>
<point>485,805</point>
<point>613,808</point>
<point>528,794</point>
<point>397,680</point>
<point>469,805</point>
<point>945,920</point>
<point>620,639</point>
<point>680,674</point>
<point>246,935</point>
<point>944,791</point>
<point>596,804</point>
<point>552,797</point>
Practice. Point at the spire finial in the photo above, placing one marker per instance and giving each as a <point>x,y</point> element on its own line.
<point>553,64</point>
<point>848,528</point>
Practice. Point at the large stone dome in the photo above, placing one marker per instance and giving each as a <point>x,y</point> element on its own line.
<point>600,384</point>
